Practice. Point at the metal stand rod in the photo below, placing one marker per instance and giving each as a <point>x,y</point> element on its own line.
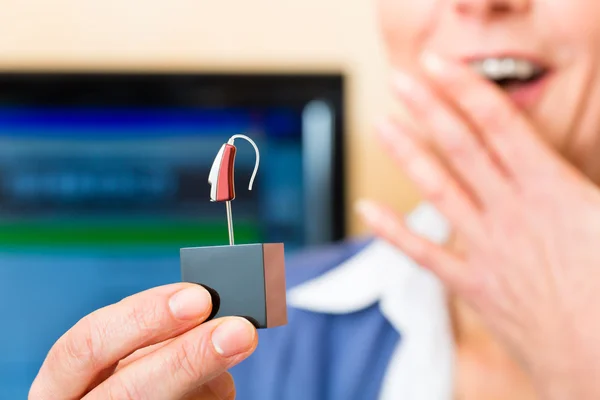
<point>229,222</point>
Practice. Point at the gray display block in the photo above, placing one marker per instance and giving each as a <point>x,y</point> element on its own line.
<point>244,280</point>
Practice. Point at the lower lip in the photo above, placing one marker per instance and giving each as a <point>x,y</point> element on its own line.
<point>526,95</point>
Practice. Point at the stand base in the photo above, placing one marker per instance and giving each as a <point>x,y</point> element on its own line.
<point>244,280</point>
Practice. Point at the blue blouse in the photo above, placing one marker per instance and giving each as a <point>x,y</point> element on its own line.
<point>365,322</point>
<point>319,356</point>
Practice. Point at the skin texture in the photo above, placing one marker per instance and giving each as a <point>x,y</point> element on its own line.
<point>527,222</point>
<point>563,34</point>
<point>557,134</point>
<point>517,184</point>
<point>152,345</point>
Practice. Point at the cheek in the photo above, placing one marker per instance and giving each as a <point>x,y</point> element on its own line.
<point>572,109</point>
<point>404,24</point>
<point>574,25</point>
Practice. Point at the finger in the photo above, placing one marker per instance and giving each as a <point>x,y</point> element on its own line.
<point>101,339</point>
<point>184,365</point>
<point>126,361</point>
<point>141,353</point>
<point>433,181</point>
<point>220,388</point>
<point>447,266</point>
<point>498,120</point>
<point>458,143</point>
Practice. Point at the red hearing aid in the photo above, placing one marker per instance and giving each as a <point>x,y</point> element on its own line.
<point>221,178</point>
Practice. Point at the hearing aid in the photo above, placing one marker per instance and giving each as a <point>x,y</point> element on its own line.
<point>244,280</point>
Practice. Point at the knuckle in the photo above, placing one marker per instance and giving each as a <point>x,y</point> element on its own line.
<point>451,137</point>
<point>121,389</point>
<point>456,145</point>
<point>184,359</point>
<point>82,346</point>
<point>450,134</point>
<point>436,193</point>
<point>491,115</point>
<point>145,316</point>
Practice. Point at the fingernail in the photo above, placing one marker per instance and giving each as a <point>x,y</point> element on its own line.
<point>368,210</point>
<point>434,63</point>
<point>403,83</point>
<point>375,217</point>
<point>190,303</point>
<point>232,337</point>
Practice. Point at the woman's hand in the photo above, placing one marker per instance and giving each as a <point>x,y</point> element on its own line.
<point>152,345</point>
<point>528,223</point>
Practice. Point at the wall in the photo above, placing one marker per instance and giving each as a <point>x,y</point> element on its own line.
<point>221,35</point>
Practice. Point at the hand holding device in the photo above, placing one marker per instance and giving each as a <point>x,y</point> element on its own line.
<point>152,345</point>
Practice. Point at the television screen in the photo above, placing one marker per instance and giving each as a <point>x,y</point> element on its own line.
<point>103,177</point>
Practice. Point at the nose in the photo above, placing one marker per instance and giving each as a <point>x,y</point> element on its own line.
<point>490,7</point>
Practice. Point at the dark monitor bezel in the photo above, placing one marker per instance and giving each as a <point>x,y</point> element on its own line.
<point>142,88</point>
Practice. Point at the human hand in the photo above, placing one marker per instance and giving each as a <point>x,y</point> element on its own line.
<point>528,222</point>
<point>152,345</point>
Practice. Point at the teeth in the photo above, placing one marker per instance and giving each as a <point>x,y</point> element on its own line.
<point>525,70</point>
<point>506,68</point>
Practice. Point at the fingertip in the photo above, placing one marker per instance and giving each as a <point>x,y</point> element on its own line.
<point>368,210</point>
<point>192,302</point>
<point>435,64</point>
<point>234,336</point>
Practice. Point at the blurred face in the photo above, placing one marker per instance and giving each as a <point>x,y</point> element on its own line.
<point>544,53</point>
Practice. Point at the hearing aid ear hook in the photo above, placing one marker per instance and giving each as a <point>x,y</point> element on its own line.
<point>232,139</point>
<point>221,177</point>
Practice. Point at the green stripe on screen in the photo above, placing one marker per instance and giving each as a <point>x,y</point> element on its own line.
<point>136,234</point>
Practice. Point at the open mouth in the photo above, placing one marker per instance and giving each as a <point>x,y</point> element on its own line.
<point>509,73</point>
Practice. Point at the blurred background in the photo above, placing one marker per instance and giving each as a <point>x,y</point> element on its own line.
<point>111,113</point>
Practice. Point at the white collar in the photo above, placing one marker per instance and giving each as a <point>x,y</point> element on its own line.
<point>412,300</point>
